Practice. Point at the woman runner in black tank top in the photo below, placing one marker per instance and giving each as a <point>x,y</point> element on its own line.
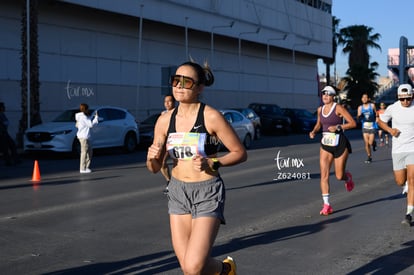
<point>196,193</point>
<point>211,142</point>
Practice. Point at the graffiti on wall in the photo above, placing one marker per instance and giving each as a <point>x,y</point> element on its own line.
<point>78,91</point>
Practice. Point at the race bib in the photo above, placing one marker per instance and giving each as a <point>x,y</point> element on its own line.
<point>185,146</point>
<point>368,125</point>
<point>330,139</point>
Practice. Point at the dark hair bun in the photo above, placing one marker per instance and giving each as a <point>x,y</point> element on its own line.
<point>208,76</point>
<point>204,73</point>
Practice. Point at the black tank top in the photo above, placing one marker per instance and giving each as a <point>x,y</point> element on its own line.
<point>211,142</point>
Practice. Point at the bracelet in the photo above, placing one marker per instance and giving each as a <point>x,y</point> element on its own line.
<point>216,164</point>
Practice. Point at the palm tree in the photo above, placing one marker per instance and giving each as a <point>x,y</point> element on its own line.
<point>331,60</point>
<point>361,75</point>
<point>34,71</point>
<point>360,80</point>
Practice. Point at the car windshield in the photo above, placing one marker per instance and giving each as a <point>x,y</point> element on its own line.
<point>68,116</point>
<point>304,113</point>
<point>271,109</point>
<point>247,112</point>
<point>151,120</point>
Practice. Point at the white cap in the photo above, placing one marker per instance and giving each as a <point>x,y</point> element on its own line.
<point>405,90</point>
<point>330,90</point>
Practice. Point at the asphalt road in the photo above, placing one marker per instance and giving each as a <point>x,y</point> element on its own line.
<point>114,220</point>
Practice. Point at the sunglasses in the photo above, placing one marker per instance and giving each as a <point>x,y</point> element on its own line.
<point>326,93</point>
<point>185,81</point>
<point>405,99</point>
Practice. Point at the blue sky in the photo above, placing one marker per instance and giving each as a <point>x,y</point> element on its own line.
<point>391,19</point>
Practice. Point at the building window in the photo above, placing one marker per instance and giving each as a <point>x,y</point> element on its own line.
<point>318,4</point>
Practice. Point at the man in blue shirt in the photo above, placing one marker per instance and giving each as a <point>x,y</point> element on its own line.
<point>367,115</point>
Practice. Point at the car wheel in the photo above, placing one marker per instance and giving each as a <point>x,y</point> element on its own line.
<point>247,142</point>
<point>287,130</point>
<point>257,133</point>
<point>130,143</point>
<point>76,147</point>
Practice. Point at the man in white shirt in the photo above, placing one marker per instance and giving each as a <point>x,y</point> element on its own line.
<point>402,115</point>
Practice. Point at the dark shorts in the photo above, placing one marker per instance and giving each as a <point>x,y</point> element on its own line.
<point>338,150</point>
<point>372,131</point>
<point>200,199</point>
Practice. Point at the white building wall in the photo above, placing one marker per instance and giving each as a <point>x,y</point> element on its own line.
<point>90,52</point>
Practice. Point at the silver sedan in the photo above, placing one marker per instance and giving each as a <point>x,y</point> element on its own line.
<point>243,126</point>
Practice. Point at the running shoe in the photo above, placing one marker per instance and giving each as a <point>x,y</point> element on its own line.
<point>349,183</point>
<point>229,260</point>
<point>86,171</point>
<point>369,160</point>
<point>374,146</point>
<point>405,188</point>
<point>326,210</point>
<point>407,220</point>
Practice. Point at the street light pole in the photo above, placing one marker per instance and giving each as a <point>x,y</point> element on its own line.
<point>186,37</point>
<point>212,38</point>
<point>268,57</point>
<point>139,59</point>
<point>28,60</point>
<point>294,65</point>
<point>239,59</point>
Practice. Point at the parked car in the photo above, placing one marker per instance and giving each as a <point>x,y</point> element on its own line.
<point>146,129</point>
<point>116,128</point>
<point>302,120</point>
<point>254,118</point>
<point>243,126</point>
<point>272,118</point>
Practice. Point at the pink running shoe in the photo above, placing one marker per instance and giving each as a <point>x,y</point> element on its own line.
<point>349,183</point>
<point>326,210</point>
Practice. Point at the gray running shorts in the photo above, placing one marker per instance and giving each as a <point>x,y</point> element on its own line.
<point>200,199</point>
<point>401,160</point>
<point>369,131</point>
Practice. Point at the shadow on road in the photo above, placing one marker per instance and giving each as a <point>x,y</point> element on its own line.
<point>129,266</point>
<point>264,238</point>
<point>392,263</point>
<point>393,197</point>
<point>151,264</point>
<point>278,181</point>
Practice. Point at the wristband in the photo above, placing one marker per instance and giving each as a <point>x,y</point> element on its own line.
<point>216,164</point>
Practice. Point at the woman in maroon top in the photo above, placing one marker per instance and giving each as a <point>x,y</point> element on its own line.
<point>335,147</point>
